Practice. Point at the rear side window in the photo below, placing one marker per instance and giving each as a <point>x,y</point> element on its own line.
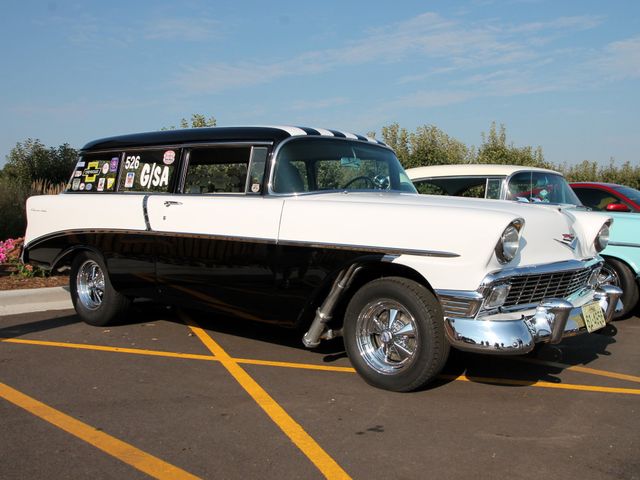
<point>596,199</point>
<point>95,172</point>
<point>218,170</point>
<point>148,171</point>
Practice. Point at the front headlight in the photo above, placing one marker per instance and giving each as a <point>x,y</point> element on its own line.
<point>602,239</point>
<point>509,242</point>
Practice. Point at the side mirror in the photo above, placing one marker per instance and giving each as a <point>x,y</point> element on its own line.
<point>617,207</point>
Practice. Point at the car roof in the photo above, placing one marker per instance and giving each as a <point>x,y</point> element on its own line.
<point>471,169</point>
<point>273,134</point>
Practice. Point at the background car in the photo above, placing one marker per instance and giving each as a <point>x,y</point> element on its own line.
<point>609,197</point>
<point>547,187</point>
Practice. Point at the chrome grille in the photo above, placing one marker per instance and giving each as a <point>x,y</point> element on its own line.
<point>527,289</point>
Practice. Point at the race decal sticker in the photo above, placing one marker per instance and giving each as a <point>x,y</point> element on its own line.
<point>101,183</point>
<point>130,178</point>
<point>105,168</point>
<point>91,172</point>
<point>153,175</point>
<point>113,164</point>
<point>169,157</point>
<point>77,173</point>
<point>89,186</point>
<point>76,184</point>
<point>82,186</point>
<point>110,182</point>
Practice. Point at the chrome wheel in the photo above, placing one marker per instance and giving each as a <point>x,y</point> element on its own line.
<point>387,336</point>
<point>90,285</point>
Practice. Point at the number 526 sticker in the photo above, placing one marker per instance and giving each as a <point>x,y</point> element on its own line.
<point>132,162</point>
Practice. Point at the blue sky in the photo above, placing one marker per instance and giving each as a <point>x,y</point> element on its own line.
<point>564,75</point>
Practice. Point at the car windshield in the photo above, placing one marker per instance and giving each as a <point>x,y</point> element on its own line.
<point>631,193</point>
<point>541,187</point>
<point>313,165</point>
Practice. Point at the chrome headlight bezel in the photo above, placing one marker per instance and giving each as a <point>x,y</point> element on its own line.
<point>509,243</point>
<point>602,239</point>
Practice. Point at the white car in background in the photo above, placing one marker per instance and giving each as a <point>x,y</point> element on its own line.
<point>541,187</point>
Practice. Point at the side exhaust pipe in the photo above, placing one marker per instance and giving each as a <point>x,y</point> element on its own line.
<point>318,329</point>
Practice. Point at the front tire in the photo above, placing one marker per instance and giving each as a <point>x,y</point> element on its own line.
<point>94,298</point>
<point>394,334</point>
<point>616,272</point>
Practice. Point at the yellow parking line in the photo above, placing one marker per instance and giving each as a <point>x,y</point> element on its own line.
<point>327,368</point>
<point>124,452</point>
<point>303,366</point>
<point>578,368</point>
<point>102,348</point>
<point>190,356</point>
<point>541,384</point>
<point>314,452</point>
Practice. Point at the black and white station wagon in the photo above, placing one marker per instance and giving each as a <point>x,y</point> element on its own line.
<point>321,230</point>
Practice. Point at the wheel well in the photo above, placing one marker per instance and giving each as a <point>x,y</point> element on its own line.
<point>65,258</point>
<point>371,270</point>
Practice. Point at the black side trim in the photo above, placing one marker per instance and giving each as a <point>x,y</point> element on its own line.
<point>293,243</point>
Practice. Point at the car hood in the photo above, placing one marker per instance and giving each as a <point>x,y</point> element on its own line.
<point>460,226</point>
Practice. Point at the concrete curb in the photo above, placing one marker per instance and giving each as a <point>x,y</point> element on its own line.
<point>13,302</point>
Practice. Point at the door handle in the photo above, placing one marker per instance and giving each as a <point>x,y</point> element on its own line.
<point>168,203</point>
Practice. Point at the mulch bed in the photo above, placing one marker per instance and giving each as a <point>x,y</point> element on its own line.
<point>14,282</point>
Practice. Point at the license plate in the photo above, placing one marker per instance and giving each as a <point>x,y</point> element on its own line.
<point>593,317</point>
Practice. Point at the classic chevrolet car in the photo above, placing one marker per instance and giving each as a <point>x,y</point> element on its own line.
<point>317,229</point>
<point>543,187</point>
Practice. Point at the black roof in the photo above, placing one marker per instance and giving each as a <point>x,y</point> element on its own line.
<point>213,134</point>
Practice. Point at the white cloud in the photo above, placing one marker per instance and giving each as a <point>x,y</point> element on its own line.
<point>449,44</point>
<point>619,60</point>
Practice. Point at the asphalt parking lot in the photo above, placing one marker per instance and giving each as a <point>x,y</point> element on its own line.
<point>175,394</point>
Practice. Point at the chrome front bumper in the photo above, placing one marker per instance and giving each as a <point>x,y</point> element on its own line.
<point>552,320</point>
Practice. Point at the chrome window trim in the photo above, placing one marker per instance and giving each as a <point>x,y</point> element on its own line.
<point>276,152</point>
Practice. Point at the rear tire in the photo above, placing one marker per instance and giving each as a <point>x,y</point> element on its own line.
<point>616,272</point>
<point>394,334</point>
<point>94,298</point>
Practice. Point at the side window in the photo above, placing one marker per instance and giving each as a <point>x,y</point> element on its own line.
<point>218,170</point>
<point>596,199</point>
<point>148,171</point>
<point>256,169</point>
<point>425,187</point>
<point>95,172</point>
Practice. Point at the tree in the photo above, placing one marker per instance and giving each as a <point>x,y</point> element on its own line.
<point>398,139</point>
<point>31,160</point>
<point>428,145</point>
<point>431,146</point>
<point>197,121</point>
<point>494,149</point>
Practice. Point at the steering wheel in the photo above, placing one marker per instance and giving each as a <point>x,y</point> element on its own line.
<point>361,177</point>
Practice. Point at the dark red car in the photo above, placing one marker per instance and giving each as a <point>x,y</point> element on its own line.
<point>607,196</point>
